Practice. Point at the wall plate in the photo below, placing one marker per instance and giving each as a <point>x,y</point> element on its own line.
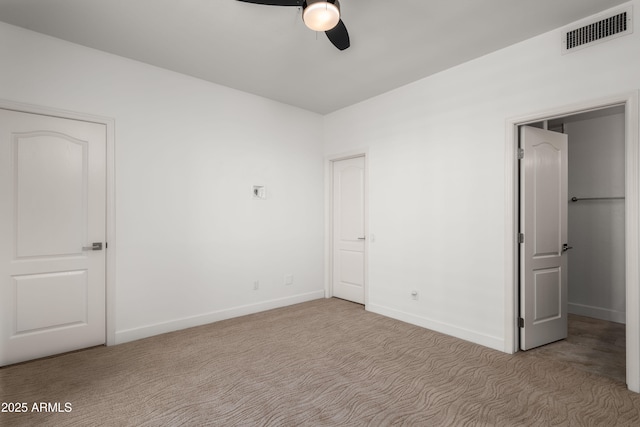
<point>259,192</point>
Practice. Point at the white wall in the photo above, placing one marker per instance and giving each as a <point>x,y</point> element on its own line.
<point>596,228</point>
<point>437,174</point>
<point>190,239</point>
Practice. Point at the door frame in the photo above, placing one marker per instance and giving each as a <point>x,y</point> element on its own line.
<point>632,222</point>
<point>328,193</point>
<point>110,254</point>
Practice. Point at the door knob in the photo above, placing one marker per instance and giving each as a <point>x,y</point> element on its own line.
<point>566,247</point>
<point>96,246</point>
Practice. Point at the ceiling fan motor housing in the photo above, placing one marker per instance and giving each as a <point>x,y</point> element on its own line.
<point>306,3</point>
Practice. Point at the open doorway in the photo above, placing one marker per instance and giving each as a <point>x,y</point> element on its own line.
<point>629,102</point>
<point>594,251</point>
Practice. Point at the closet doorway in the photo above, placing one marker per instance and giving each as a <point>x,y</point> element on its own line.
<point>628,103</point>
<point>594,310</point>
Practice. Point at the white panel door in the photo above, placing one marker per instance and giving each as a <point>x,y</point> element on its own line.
<point>349,229</point>
<point>543,216</point>
<point>52,210</point>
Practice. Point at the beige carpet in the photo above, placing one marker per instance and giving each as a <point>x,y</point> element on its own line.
<point>322,363</point>
<point>593,345</point>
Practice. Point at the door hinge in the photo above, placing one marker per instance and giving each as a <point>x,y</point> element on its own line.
<point>520,153</point>
<point>520,237</point>
<point>520,322</point>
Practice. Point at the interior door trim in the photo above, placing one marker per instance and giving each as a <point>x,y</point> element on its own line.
<point>632,221</point>
<point>110,267</point>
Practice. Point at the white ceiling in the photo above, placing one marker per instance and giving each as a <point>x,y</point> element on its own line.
<point>267,50</point>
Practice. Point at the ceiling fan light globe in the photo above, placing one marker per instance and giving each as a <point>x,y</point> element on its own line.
<point>321,16</point>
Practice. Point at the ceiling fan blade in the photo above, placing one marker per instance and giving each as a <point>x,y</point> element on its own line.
<point>275,2</point>
<point>339,36</point>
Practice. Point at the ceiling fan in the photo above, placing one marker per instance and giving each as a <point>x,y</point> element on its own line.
<point>318,15</point>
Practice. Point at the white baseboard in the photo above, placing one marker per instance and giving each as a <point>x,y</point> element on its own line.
<point>495,343</point>
<point>133,334</point>
<point>598,313</point>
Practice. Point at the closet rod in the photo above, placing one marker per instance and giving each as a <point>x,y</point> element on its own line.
<point>576,199</point>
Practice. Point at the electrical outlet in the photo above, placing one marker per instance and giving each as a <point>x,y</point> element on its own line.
<point>414,295</point>
<point>288,279</point>
<point>256,285</point>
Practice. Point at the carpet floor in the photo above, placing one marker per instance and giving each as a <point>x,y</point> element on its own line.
<point>320,363</point>
<point>593,345</point>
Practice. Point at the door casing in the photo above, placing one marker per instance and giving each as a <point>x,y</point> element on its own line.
<point>328,288</point>
<point>632,222</point>
<point>110,195</point>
